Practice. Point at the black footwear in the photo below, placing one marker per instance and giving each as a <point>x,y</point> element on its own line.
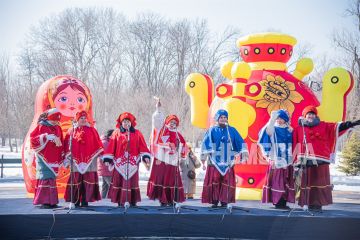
<point>223,204</point>
<point>84,204</point>
<point>120,205</point>
<point>163,204</point>
<point>315,208</point>
<point>54,206</point>
<point>190,198</point>
<point>215,205</point>
<point>45,206</point>
<point>283,207</point>
<point>132,204</point>
<point>77,203</point>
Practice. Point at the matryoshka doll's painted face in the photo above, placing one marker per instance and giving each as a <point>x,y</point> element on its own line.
<point>70,100</point>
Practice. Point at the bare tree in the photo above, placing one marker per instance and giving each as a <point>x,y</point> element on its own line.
<point>348,40</point>
<point>5,107</point>
<point>66,43</point>
<point>107,72</point>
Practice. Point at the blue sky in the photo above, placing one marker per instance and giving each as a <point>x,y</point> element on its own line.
<point>310,21</point>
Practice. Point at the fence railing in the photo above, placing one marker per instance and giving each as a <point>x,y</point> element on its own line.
<point>5,163</point>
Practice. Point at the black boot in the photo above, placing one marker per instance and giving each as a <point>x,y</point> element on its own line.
<point>214,205</point>
<point>281,204</point>
<point>45,206</point>
<point>315,208</point>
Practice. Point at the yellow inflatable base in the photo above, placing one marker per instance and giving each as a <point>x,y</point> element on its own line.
<point>248,193</point>
<point>31,195</point>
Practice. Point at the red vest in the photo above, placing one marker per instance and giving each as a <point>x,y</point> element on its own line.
<point>86,146</point>
<point>321,142</point>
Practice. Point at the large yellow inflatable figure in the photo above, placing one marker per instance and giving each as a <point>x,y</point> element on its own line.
<point>257,86</point>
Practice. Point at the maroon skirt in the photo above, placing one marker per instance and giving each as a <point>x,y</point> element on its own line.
<point>119,187</point>
<point>218,188</point>
<point>165,183</point>
<point>279,184</point>
<point>315,187</point>
<point>46,192</point>
<point>85,188</point>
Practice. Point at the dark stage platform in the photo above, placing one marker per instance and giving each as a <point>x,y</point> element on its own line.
<point>19,219</point>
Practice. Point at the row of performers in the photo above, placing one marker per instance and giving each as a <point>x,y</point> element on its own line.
<point>313,141</point>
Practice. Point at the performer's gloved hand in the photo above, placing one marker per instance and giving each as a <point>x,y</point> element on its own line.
<point>57,142</point>
<point>108,160</point>
<point>348,124</point>
<point>146,160</point>
<point>203,164</point>
<point>356,123</point>
<point>274,115</point>
<point>67,161</point>
<point>50,137</point>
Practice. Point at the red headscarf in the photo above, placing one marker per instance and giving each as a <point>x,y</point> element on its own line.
<point>172,117</point>
<point>308,109</point>
<point>126,115</point>
<point>81,114</point>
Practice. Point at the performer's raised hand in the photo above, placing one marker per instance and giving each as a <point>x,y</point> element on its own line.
<point>274,115</point>
<point>158,103</point>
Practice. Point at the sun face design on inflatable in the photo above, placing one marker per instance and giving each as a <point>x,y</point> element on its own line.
<point>279,94</point>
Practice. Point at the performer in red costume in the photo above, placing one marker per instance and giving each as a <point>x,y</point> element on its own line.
<point>168,148</point>
<point>47,143</point>
<point>125,150</point>
<point>314,144</point>
<point>83,145</point>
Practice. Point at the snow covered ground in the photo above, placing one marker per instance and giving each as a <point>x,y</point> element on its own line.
<point>340,180</point>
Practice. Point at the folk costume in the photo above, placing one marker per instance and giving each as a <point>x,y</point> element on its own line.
<point>83,145</point>
<point>126,148</point>
<point>168,148</point>
<point>47,143</point>
<point>314,144</point>
<point>275,141</point>
<point>221,145</point>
